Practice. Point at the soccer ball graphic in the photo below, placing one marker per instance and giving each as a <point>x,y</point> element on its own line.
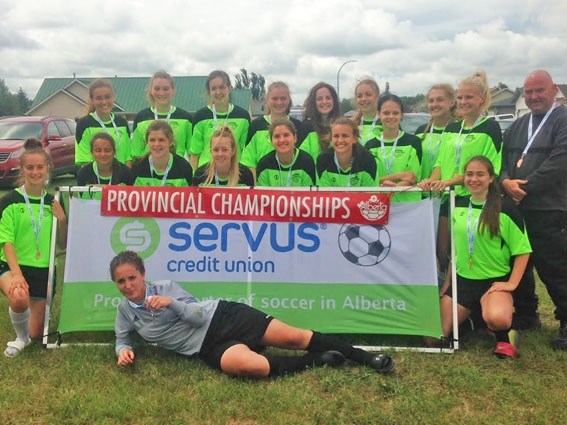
<point>364,244</point>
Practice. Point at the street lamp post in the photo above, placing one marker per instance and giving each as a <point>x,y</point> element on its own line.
<point>338,75</point>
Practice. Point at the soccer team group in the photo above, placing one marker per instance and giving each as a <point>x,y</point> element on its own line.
<point>510,213</point>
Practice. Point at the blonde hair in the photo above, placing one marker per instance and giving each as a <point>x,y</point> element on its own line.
<point>277,85</point>
<point>451,94</point>
<point>347,121</point>
<point>234,170</point>
<point>480,82</point>
<point>372,83</point>
<point>159,75</point>
<point>97,84</point>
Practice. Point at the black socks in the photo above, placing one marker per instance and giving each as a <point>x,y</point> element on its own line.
<point>322,342</point>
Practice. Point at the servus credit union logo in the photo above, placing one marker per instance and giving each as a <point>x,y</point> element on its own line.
<point>141,235</point>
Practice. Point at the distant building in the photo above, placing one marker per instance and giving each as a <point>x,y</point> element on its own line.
<point>503,101</point>
<point>506,101</point>
<point>68,97</point>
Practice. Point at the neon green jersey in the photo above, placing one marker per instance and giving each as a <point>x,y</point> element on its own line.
<point>179,120</point>
<point>490,256</point>
<point>16,227</point>
<point>204,125</point>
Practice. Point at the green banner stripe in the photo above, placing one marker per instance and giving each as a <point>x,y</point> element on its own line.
<point>337,308</point>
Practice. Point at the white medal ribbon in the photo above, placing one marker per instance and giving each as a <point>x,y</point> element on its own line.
<point>217,179</point>
<point>532,135</point>
<point>459,144</point>
<point>371,131</point>
<point>116,132</point>
<point>215,118</point>
<point>288,171</point>
<point>95,170</point>
<point>340,170</point>
<point>36,225</point>
<point>389,162</point>
<point>432,153</point>
<point>156,115</point>
<point>169,164</point>
<point>472,230</point>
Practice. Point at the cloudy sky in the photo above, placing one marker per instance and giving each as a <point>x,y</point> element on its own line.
<point>410,44</point>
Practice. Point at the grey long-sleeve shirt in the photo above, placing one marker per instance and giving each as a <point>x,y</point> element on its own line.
<point>181,327</point>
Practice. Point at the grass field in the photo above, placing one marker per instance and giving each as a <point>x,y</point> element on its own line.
<point>83,385</point>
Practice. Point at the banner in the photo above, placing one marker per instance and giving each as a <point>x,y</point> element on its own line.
<point>333,277</point>
<point>246,204</point>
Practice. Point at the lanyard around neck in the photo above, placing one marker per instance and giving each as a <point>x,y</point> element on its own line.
<point>432,153</point>
<point>152,169</point>
<point>532,135</point>
<point>156,114</point>
<point>288,184</point>
<point>389,162</point>
<point>215,116</point>
<point>371,131</point>
<point>36,225</point>
<point>116,132</point>
<point>341,170</point>
<point>459,144</point>
<point>98,176</point>
<point>472,230</point>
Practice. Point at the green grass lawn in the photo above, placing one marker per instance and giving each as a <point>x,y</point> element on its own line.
<point>82,385</point>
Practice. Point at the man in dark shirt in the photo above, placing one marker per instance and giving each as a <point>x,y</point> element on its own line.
<point>534,175</point>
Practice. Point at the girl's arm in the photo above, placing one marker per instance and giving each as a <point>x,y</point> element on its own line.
<point>425,184</point>
<point>456,180</point>
<point>520,263</point>
<point>403,178</point>
<point>59,214</point>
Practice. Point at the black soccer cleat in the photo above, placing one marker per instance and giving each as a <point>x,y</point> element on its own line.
<point>382,363</point>
<point>331,358</point>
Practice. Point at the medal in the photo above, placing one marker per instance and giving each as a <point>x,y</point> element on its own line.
<point>520,161</point>
<point>38,254</point>
<point>470,262</point>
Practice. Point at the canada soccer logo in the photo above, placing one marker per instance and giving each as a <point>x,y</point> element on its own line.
<point>364,244</point>
<point>373,209</point>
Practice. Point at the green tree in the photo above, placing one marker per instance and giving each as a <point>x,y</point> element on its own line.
<point>256,83</point>
<point>24,101</point>
<point>417,103</point>
<point>8,101</point>
<point>345,105</point>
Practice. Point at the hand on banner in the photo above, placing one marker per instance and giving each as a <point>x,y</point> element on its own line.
<point>126,357</point>
<point>157,302</point>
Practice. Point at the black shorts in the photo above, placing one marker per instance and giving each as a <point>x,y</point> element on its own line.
<point>470,291</point>
<point>36,277</point>
<point>233,323</point>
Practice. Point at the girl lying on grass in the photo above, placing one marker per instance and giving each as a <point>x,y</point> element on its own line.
<point>228,336</point>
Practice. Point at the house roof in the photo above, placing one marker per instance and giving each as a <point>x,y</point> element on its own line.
<point>563,89</point>
<point>131,92</point>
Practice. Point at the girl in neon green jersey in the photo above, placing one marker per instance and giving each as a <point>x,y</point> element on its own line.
<point>25,236</point>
